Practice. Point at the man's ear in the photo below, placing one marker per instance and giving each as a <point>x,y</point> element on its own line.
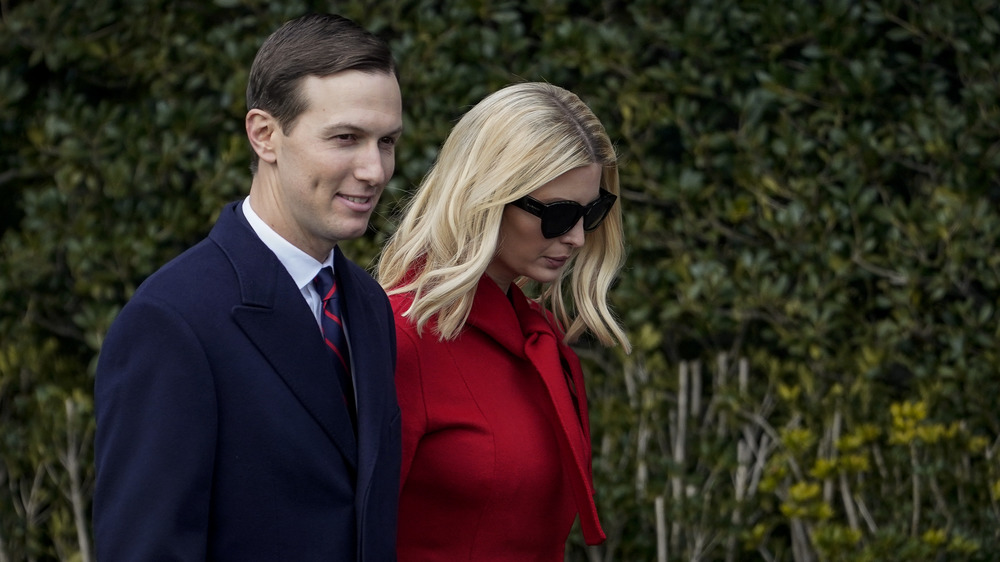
<point>262,130</point>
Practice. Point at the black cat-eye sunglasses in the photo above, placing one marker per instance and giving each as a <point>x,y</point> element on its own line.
<point>560,217</point>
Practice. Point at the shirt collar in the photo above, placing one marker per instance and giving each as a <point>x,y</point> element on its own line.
<point>300,265</point>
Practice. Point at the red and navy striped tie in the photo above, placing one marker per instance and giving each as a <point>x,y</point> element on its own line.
<point>336,339</point>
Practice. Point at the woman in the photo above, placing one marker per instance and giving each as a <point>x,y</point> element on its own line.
<point>496,439</point>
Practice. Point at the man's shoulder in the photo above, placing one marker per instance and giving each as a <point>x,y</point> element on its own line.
<point>193,276</point>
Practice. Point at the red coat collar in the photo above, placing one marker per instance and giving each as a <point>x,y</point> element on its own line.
<point>509,321</point>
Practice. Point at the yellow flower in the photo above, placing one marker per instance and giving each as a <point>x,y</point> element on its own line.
<point>802,492</point>
<point>995,490</point>
<point>824,468</point>
<point>855,463</point>
<point>935,537</point>
<point>978,444</point>
<point>798,440</point>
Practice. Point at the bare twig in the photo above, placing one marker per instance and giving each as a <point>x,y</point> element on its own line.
<point>835,428</point>
<point>915,484</point>
<point>721,374</point>
<point>642,469</point>
<point>940,501</point>
<point>4,556</point>
<point>695,389</point>
<point>76,448</point>
<point>676,482</point>
<point>661,529</point>
<point>741,484</point>
<point>845,496</point>
<point>801,551</point>
<point>869,520</point>
<point>894,278</point>
<point>744,376</point>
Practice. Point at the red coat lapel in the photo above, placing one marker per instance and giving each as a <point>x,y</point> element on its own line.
<point>524,331</point>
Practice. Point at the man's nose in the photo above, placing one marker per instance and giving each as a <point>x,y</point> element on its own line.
<point>369,166</point>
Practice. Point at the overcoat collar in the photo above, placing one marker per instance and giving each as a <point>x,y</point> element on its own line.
<point>277,320</point>
<point>493,314</point>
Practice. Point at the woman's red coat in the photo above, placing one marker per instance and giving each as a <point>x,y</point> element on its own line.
<point>496,451</point>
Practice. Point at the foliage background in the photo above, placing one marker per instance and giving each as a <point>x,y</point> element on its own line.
<point>811,194</point>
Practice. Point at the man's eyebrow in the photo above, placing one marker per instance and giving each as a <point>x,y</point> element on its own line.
<point>339,128</point>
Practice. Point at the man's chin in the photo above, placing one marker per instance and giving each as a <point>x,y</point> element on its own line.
<point>345,234</point>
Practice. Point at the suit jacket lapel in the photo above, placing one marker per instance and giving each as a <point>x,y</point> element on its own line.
<point>364,326</point>
<point>276,319</point>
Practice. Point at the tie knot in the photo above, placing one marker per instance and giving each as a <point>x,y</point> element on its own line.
<point>324,282</point>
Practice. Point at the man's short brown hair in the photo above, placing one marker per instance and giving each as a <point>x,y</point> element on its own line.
<point>312,45</point>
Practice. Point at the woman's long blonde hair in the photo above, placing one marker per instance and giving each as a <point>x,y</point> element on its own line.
<point>507,146</point>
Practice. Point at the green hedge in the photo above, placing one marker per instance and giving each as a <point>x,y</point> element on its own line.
<point>810,191</point>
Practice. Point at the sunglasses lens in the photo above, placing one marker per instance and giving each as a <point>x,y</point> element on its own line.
<point>558,219</point>
<point>596,214</point>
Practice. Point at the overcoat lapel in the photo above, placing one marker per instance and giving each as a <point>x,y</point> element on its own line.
<point>276,319</point>
<point>365,361</point>
<point>527,334</point>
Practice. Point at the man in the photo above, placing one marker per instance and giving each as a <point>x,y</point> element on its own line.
<point>231,423</point>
